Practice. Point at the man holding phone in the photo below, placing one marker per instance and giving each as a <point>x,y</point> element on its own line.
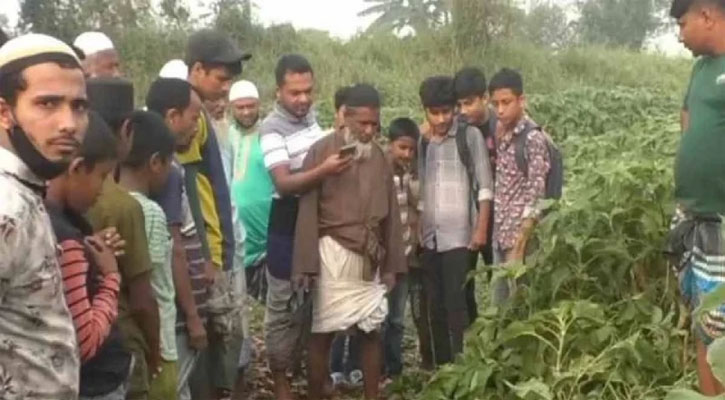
<point>286,136</point>
<point>349,239</point>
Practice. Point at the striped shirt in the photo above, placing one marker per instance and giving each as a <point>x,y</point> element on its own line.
<point>285,139</point>
<point>92,317</point>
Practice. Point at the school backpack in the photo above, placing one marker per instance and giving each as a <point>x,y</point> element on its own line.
<point>555,177</point>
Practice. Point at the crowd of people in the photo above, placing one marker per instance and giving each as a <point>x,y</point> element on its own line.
<point>132,237</point>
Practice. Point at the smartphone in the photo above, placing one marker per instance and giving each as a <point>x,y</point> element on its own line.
<point>348,151</point>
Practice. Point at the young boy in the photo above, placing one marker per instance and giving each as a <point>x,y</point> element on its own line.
<point>144,173</point>
<point>517,192</point>
<point>403,134</point>
<point>453,229</point>
<point>699,182</point>
<point>88,265</point>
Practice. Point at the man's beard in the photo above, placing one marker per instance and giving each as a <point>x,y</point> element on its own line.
<point>247,124</point>
<point>363,151</point>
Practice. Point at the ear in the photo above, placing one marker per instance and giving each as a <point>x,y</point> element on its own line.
<point>277,93</point>
<point>198,69</point>
<point>172,114</point>
<point>76,166</point>
<point>6,116</point>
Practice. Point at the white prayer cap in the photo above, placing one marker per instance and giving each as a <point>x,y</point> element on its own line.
<point>243,90</point>
<point>31,49</point>
<point>93,42</point>
<point>174,69</point>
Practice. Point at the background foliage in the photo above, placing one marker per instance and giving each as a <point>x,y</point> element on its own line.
<point>596,316</point>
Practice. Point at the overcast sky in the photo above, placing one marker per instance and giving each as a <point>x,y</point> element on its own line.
<point>339,17</point>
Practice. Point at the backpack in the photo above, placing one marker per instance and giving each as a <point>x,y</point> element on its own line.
<point>464,153</point>
<point>555,177</point>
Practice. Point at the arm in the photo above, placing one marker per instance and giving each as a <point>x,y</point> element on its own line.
<point>92,317</point>
<point>145,312</point>
<point>184,293</point>
<point>534,189</point>
<point>306,258</point>
<point>277,161</point>
<point>392,231</point>
<point>135,268</point>
<point>484,177</point>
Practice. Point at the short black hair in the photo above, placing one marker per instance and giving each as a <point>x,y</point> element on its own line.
<point>150,136</point>
<point>470,81</point>
<point>294,63</point>
<point>680,7</point>
<point>507,79</point>
<point>112,98</point>
<point>168,94</point>
<point>100,144</point>
<point>13,83</point>
<point>362,95</point>
<point>341,97</point>
<point>403,127</point>
<point>437,91</point>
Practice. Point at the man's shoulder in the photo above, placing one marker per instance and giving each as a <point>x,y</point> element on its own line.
<point>272,123</point>
<point>16,199</point>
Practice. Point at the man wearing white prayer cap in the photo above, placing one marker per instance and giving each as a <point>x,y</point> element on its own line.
<point>101,58</point>
<point>251,188</point>
<point>175,69</point>
<point>43,120</point>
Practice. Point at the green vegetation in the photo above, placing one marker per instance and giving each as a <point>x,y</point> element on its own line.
<point>596,316</point>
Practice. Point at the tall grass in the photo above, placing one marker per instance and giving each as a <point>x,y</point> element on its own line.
<point>398,65</point>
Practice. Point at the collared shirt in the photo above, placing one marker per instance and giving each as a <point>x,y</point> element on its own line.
<point>449,215</point>
<point>517,192</point>
<point>358,208</point>
<point>38,348</point>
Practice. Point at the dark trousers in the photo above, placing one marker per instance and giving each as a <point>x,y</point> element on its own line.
<point>345,354</point>
<point>445,277</point>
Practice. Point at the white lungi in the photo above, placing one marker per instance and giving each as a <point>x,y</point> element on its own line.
<point>342,299</point>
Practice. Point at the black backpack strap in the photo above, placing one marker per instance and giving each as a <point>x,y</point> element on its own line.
<point>522,161</point>
<point>464,153</point>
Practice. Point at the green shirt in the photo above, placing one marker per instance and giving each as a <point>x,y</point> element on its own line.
<point>116,208</point>
<point>252,191</point>
<point>700,165</point>
<point>162,280</point>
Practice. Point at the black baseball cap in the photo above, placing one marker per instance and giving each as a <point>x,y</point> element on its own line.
<point>212,46</point>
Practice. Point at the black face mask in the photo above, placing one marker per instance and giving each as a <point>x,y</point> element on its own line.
<point>33,158</point>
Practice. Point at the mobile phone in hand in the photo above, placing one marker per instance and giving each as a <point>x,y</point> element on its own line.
<point>348,151</point>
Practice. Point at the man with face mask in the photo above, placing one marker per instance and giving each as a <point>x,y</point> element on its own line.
<point>101,58</point>
<point>43,119</point>
<point>349,239</point>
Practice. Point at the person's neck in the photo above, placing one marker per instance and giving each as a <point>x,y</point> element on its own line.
<point>55,193</point>
<point>5,142</point>
<point>719,46</point>
<point>134,180</point>
<point>485,117</point>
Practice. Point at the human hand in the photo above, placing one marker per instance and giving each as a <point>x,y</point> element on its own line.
<point>197,334</point>
<point>335,164</point>
<point>113,240</point>
<point>102,254</point>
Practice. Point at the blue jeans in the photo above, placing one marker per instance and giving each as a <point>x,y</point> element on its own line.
<point>394,328</point>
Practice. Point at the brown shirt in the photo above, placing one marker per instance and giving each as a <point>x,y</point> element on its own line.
<point>354,207</point>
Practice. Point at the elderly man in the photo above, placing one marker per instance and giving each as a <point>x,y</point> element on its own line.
<point>101,58</point>
<point>43,119</point>
<point>349,239</point>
